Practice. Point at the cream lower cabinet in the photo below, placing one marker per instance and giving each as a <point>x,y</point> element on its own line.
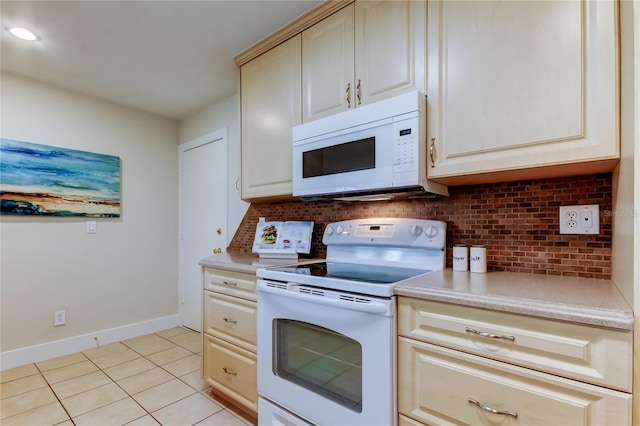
<point>522,90</point>
<point>461,365</point>
<point>365,52</point>
<point>229,360</point>
<point>271,106</point>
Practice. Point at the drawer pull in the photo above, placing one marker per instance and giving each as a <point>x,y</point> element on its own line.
<point>488,335</point>
<point>230,321</point>
<point>229,371</point>
<point>491,410</point>
<point>231,283</point>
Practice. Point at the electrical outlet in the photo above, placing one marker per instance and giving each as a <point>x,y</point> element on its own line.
<point>59,317</point>
<point>580,219</point>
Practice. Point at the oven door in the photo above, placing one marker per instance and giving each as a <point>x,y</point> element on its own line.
<point>327,357</point>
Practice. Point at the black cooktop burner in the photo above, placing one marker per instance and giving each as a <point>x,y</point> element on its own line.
<point>353,272</point>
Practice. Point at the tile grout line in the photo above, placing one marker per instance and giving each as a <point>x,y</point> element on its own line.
<point>157,365</point>
<point>223,407</point>
<point>54,392</point>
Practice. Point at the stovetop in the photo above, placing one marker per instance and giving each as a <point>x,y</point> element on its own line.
<point>352,272</point>
<point>370,256</point>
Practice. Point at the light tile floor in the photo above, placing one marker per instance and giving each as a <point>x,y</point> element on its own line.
<point>148,380</point>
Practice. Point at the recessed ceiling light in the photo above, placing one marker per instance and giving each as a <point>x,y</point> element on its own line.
<point>23,34</point>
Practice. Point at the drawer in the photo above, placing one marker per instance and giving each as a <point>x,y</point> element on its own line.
<point>436,384</point>
<point>592,354</point>
<point>236,284</point>
<point>406,421</point>
<point>232,371</point>
<point>231,319</point>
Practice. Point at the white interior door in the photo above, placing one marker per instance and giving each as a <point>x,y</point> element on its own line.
<point>203,217</point>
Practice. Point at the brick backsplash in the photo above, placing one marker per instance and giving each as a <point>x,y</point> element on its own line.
<point>517,221</point>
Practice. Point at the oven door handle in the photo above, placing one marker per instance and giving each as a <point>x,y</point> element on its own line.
<point>370,306</point>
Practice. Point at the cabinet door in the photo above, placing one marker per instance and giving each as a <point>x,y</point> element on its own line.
<point>271,105</point>
<point>327,66</point>
<point>437,386</point>
<point>231,371</point>
<point>518,85</point>
<point>390,49</point>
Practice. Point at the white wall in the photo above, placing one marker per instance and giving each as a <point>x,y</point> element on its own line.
<point>128,271</point>
<point>225,113</point>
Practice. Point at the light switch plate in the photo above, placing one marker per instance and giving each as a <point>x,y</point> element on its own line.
<point>583,220</point>
<point>92,227</point>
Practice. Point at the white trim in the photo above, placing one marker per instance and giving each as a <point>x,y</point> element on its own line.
<point>44,351</point>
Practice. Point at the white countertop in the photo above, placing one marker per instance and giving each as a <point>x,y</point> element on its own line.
<point>581,300</point>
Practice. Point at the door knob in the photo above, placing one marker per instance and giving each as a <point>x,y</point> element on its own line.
<point>219,231</point>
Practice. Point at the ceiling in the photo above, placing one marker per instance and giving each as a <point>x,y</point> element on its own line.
<point>170,58</point>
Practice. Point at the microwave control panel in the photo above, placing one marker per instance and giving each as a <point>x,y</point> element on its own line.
<point>406,138</point>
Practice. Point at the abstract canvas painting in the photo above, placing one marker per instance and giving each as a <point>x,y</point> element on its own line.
<point>45,180</point>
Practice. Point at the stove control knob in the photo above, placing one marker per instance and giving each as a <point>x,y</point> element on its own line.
<point>329,230</point>
<point>431,232</point>
<point>339,230</point>
<point>415,230</point>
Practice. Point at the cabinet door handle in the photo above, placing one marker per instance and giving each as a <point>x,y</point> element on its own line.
<point>358,93</point>
<point>488,335</point>
<point>432,152</point>
<point>347,93</point>
<point>229,371</point>
<point>492,410</point>
<point>230,321</point>
<point>231,283</point>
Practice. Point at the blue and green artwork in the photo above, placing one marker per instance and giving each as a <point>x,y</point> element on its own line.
<point>45,180</point>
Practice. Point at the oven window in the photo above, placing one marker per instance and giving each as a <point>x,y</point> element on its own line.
<point>345,157</point>
<point>320,360</point>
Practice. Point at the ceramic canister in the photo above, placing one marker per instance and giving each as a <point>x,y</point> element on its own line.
<point>478,259</point>
<point>460,258</point>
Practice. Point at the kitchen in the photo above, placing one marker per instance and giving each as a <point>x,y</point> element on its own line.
<point>24,244</point>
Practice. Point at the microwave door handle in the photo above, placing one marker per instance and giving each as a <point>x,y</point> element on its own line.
<point>372,307</point>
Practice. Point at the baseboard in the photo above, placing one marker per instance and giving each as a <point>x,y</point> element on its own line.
<point>44,351</point>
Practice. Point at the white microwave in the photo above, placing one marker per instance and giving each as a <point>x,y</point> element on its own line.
<point>374,152</point>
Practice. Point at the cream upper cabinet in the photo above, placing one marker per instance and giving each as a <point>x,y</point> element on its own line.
<point>365,52</point>
<point>327,66</point>
<point>521,89</point>
<point>270,103</point>
<point>390,48</point>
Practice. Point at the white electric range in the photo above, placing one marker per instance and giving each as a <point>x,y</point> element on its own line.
<point>326,330</point>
